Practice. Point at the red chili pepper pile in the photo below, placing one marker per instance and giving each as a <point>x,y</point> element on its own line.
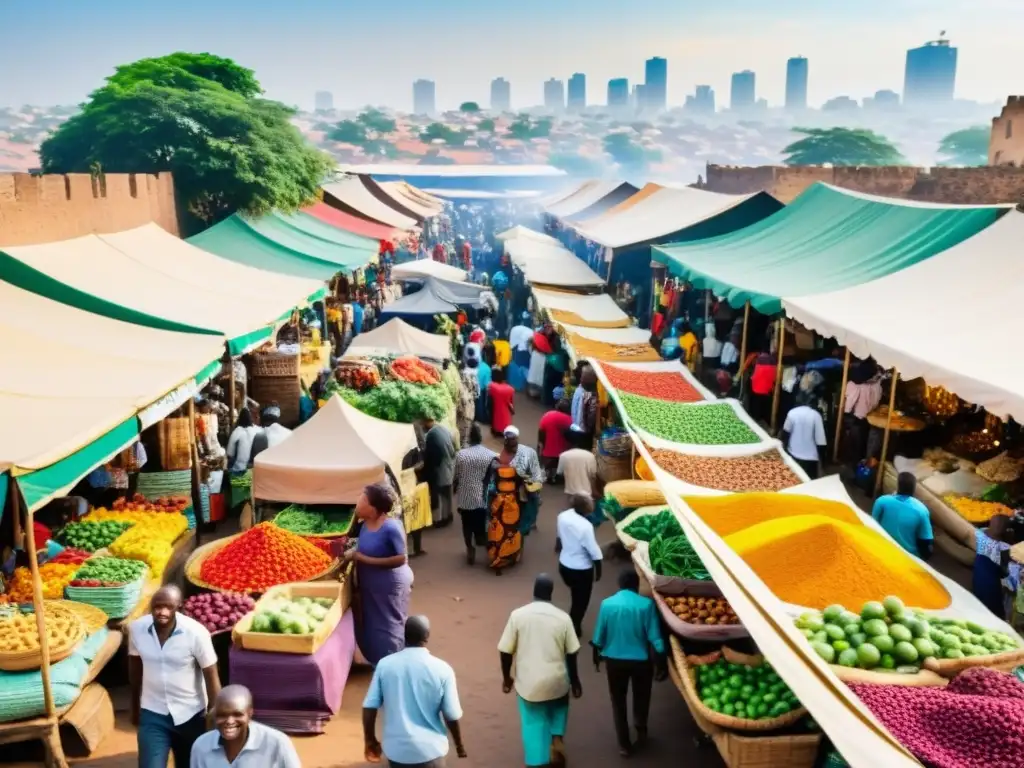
<point>71,556</point>
<point>660,386</point>
<point>262,557</point>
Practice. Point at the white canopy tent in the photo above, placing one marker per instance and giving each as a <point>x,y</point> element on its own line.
<point>428,268</point>
<point>655,212</point>
<point>583,198</point>
<point>599,309</point>
<point>332,457</point>
<point>519,231</point>
<point>352,193</point>
<point>544,264</point>
<point>398,337</point>
<point>894,318</point>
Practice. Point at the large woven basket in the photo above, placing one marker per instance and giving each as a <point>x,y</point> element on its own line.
<point>286,391</point>
<point>687,675</point>
<point>22,661</point>
<point>173,438</point>
<point>116,602</point>
<point>194,564</point>
<point>275,364</point>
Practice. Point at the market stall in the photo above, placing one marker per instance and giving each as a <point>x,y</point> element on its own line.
<point>545,264</point>
<point>590,311</point>
<point>397,337</point>
<point>591,200</point>
<point>422,268</point>
<point>350,194</point>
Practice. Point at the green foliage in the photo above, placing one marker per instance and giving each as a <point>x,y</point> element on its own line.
<point>841,146</point>
<point>966,147</point>
<point>625,151</point>
<point>365,131</point>
<point>469,107</point>
<point>375,120</point>
<point>524,129</point>
<point>449,136</point>
<point>348,132</point>
<point>486,125</point>
<point>228,149</point>
<point>576,165</point>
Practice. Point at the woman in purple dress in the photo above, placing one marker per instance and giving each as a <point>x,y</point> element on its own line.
<point>383,576</point>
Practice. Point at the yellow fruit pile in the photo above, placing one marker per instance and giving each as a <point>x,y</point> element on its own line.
<point>151,538</point>
<point>19,633</point>
<point>974,511</point>
<point>55,576</point>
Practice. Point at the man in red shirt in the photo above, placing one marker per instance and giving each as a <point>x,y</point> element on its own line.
<point>439,254</point>
<point>467,256</point>
<point>551,436</point>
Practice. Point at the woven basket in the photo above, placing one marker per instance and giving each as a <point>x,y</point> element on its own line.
<point>173,439</point>
<point>285,390</point>
<point>612,468</point>
<point>92,617</point>
<point>154,485</point>
<point>116,602</point>
<point>616,445</point>
<point>693,701</point>
<point>275,364</point>
<point>743,751</point>
<point>1001,662</point>
<point>22,661</point>
<point>194,565</point>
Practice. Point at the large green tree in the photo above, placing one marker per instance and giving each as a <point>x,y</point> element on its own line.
<point>625,151</point>
<point>449,136</point>
<point>202,118</point>
<point>841,146</point>
<point>965,147</point>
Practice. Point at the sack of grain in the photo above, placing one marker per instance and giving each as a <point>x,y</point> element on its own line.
<point>631,494</point>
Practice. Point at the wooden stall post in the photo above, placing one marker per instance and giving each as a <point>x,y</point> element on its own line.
<point>743,346</point>
<point>888,428</point>
<point>231,389</point>
<point>778,373</point>
<point>51,742</point>
<point>197,496</point>
<point>842,405</point>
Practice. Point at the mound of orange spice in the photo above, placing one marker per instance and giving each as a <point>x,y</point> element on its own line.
<point>263,557</point>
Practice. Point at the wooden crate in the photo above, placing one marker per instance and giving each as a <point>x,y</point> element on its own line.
<point>245,638</point>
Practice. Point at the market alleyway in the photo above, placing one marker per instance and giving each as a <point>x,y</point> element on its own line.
<point>468,608</point>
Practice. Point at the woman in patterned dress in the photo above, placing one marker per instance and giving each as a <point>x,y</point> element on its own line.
<point>504,539</point>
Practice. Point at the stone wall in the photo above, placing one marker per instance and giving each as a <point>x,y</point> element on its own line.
<point>1006,143</point>
<point>956,186</point>
<point>41,209</point>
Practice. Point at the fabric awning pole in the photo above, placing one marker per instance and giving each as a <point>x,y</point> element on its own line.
<point>778,373</point>
<point>743,346</point>
<point>54,751</point>
<point>888,429</point>
<point>842,405</point>
<point>231,390</point>
<point>197,496</point>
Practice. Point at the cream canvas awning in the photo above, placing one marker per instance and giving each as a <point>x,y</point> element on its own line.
<point>71,376</point>
<point>599,309</point>
<point>544,264</point>
<point>519,231</point>
<point>924,319</point>
<point>353,195</point>
<point>399,190</point>
<point>586,198</point>
<point>332,457</point>
<point>397,337</point>
<point>428,268</point>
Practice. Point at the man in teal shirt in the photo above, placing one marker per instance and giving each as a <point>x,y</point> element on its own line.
<point>626,633</point>
<point>905,518</point>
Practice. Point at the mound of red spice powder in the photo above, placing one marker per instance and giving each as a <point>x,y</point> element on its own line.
<point>660,386</point>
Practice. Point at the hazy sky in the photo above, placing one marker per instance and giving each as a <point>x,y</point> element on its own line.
<point>56,51</point>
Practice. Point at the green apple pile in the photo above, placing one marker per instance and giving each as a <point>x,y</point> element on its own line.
<point>298,616</point>
<point>886,636</point>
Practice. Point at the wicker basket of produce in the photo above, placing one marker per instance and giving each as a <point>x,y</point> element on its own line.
<point>668,561</point>
<point>246,564</point>
<point>275,364</point>
<point>699,612</point>
<point>112,584</point>
<point>415,371</point>
<point>716,693</point>
<point>19,637</point>
<point>357,375</point>
<point>92,617</point>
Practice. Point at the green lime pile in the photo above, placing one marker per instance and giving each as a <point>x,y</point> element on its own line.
<point>306,522</point>
<point>886,636</point>
<point>300,616</point>
<point>91,536</point>
<point>751,693</point>
<point>715,424</point>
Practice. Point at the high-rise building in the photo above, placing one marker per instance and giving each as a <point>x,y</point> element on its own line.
<point>796,84</point>
<point>554,94</point>
<point>501,95</point>
<point>639,97</point>
<point>930,76</point>
<point>744,90</point>
<point>702,101</point>
<point>577,101</point>
<point>655,84</point>
<point>323,101</point>
<point>424,97</point>
<point>618,92</point>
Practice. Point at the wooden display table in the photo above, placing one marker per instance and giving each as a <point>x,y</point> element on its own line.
<point>900,423</point>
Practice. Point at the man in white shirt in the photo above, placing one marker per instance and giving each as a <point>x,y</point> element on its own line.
<point>170,656</point>
<point>273,432</point>
<point>804,437</point>
<point>520,335</point>
<point>579,468</point>
<point>579,556</point>
<point>540,639</point>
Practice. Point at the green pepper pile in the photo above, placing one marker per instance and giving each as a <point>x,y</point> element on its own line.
<point>751,693</point>
<point>673,556</point>
<point>91,536</point>
<point>715,424</point>
<point>647,527</point>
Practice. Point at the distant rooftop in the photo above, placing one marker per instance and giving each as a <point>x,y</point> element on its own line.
<point>454,171</point>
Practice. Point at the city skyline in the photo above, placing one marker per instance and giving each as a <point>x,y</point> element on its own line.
<point>370,55</point>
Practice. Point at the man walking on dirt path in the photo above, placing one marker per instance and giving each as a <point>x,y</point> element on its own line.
<point>542,642</point>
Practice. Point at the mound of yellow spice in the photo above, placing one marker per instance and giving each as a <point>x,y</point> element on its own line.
<point>816,561</point>
<point>726,515</point>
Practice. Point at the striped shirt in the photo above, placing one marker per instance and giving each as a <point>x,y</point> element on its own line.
<point>471,466</point>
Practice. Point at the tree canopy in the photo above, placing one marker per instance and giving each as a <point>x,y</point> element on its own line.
<point>449,136</point>
<point>965,147</point>
<point>200,117</point>
<point>625,151</point>
<point>841,146</point>
<point>524,129</point>
<point>469,106</point>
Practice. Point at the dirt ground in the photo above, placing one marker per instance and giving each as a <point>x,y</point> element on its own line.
<point>468,608</point>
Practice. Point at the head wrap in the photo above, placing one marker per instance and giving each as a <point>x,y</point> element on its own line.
<point>511,431</point>
<point>272,410</point>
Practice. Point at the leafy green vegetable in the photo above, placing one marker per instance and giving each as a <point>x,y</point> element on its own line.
<point>647,527</point>
<point>398,401</point>
<point>673,556</point>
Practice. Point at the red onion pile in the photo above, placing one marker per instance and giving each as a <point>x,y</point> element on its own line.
<point>217,611</point>
<point>977,721</point>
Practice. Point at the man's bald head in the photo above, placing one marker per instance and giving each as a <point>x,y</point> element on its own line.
<point>235,696</point>
<point>543,587</point>
<point>232,711</point>
<point>164,605</point>
<point>417,631</point>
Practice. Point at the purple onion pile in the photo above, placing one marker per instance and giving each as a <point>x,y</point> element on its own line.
<point>218,611</point>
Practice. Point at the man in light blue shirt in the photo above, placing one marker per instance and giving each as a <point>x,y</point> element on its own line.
<point>419,697</point>
<point>905,518</point>
<point>626,633</point>
<point>239,741</point>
